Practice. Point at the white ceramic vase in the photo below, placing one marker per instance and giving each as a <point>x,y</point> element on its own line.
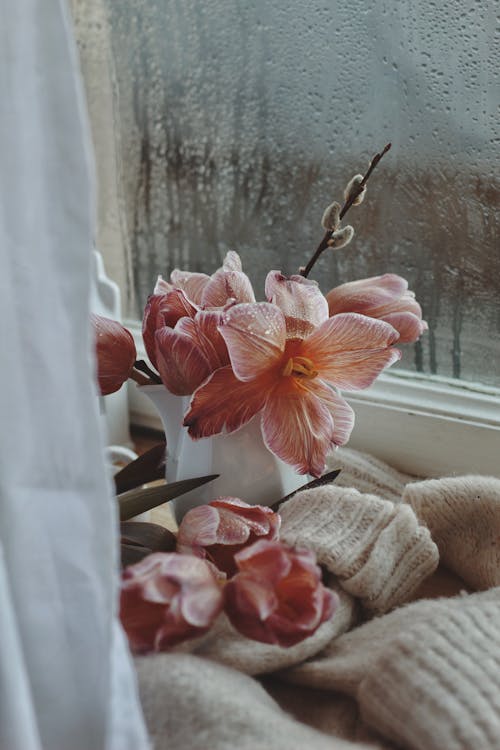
<point>247,468</point>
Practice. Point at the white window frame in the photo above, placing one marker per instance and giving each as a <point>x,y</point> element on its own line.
<point>428,426</point>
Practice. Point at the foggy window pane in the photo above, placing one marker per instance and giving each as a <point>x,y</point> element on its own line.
<point>240,121</point>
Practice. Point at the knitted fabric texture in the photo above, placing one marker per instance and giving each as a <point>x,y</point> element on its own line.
<point>191,703</point>
<point>422,676</point>
<point>368,474</point>
<point>225,645</point>
<point>463,516</point>
<point>378,550</point>
<point>437,684</point>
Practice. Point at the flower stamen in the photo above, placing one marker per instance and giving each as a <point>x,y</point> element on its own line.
<point>301,367</point>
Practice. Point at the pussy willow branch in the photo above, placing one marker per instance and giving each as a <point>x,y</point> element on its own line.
<point>345,208</point>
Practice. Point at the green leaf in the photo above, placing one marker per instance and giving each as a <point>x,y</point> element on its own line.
<point>151,535</point>
<point>142,499</point>
<point>147,468</point>
<point>132,553</point>
<point>319,482</point>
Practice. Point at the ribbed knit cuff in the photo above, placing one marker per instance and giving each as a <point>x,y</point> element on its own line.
<point>368,474</point>
<point>437,687</point>
<point>463,517</point>
<point>377,549</point>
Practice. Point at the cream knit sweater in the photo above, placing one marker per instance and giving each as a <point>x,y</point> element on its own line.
<point>383,673</point>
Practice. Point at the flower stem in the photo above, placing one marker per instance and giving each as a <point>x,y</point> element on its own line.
<point>141,365</point>
<point>139,378</point>
<point>345,208</point>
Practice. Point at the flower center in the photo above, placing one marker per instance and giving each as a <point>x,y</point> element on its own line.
<point>300,367</point>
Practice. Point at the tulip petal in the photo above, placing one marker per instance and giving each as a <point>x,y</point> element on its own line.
<point>259,519</point>
<point>410,326</point>
<point>162,286</point>
<point>253,596</point>
<point>181,363</point>
<point>300,300</point>
<point>266,559</point>
<point>298,427</point>
<point>203,331</point>
<point>342,413</point>
<point>224,402</point>
<point>163,310</point>
<point>351,350</point>
<point>255,335</point>
<point>198,528</point>
<point>232,262</point>
<point>225,285</point>
<point>115,353</point>
<point>175,306</point>
<point>149,326</point>
<point>201,606</point>
<point>193,284</point>
<point>365,294</point>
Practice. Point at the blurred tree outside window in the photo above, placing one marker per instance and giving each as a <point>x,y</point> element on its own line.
<point>233,125</point>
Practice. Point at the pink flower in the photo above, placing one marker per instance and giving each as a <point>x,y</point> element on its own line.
<point>385,297</point>
<point>283,366</point>
<point>168,598</point>
<point>186,293</point>
<point>277,595</point>
<point>189,353</point>
<point>222,528</point>
<point>115,352</point>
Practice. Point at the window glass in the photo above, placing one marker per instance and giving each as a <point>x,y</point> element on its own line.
<point>240,121</point>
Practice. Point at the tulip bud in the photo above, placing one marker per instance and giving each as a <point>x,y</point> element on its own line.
<point>115,351</point>
<point>168,598</point>
<point>341,237</point>
<point>353,187</point>
<point>384,297</point>
<point>277,595</point>
<point>331,217</point>
<point>219,530</point>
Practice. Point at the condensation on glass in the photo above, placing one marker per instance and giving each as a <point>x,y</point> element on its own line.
<point>240,121</point>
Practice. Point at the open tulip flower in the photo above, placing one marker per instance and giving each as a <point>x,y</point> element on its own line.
<point>168,598</point>
<point>386,297</point>
<point>115,353</point>
<point>277,596</point>
<point>186,294</point>
<point>286,362</point>
<point>222,528</point>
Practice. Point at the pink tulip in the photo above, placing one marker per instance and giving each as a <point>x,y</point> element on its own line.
<point>385,297</point>
<point>189,353</point>
<point>168,598</point>
<point>115,352</point>
<point>163,310</point>
<point>277,596</point>
<point>187,293</point>
<point>222,528</point>
<point>206,292</point>
<point>290,379</point>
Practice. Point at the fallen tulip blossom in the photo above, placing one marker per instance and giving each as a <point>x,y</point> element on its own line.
<point>115,352</point>
<point>385,297</point>
<point>222,528</point>
<point>167,598</point>
<point>291,379</point>
<point>277,596</point>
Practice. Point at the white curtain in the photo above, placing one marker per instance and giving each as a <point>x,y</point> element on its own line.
<point>65,677</point>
